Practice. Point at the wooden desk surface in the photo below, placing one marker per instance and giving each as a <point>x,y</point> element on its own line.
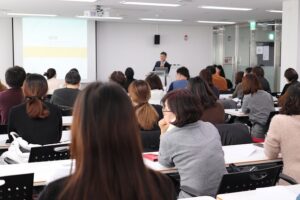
<point>273,193</point>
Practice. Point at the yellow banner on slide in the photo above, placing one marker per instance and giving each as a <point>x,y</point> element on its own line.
<point>55,52</point>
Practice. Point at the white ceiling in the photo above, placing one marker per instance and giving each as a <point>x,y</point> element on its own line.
<point>189,12</point>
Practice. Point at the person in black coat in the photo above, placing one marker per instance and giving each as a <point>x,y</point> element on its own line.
<point>162,62</point>
<point>36,121</point>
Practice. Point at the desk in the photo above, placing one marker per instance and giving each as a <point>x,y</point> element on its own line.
<point>275,193</point>
<point>67,120</point>
<point>235,112</point>
<point>239,113</point>
<point>240,155</point>
<point>65,137</point>
<point>43,171</point>
<point>225,96</point>
<point>199,198</point>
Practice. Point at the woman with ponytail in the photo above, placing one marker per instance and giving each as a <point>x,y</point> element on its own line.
<point>147,115</point>
<point>36,121</point>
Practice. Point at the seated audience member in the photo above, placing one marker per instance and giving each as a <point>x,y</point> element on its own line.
<point>2,87</point>
<point>292,77</point>
<point>248,70</point>
<point>107,148</point>
<point>257,103</point>
<point>14,78</point>
<point>157,91</point>
<point>119,78</point>
<point>283,135</point>
<point>218,81</point>
<point>182,75</point>
<point>191,145</point>
<point>213,110</point>
<point>36,121</point>
<point>260,73</point>
<point>238,90</point>
<point>75,70</point>
<point>221,72</point>
<point>53,83</point>
<point>129,73</point>
<point>65,97</point>
<point>206,75</point>
<point>147,115</point>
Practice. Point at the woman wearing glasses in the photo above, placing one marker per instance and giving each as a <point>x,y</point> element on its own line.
<point>191,145</point>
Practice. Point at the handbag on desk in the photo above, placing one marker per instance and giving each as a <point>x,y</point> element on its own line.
<point>18,152</point>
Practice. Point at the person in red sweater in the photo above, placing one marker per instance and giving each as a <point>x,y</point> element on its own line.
<point>13,96</point>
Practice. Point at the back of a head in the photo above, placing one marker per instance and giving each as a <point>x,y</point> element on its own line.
<point>239,77</point>
<point>184,72</point>
<point>129,73</point>
<point>50,73</point>
<point>74,70</point>
<point>105,135</point>
<point>212,69</point>
<point>15,77</point>
<point>186,106</point>
<point>206,75</point>
<point>291,75</point>
<point>201,89</point>
<point>154,82</point>
<point>290,102</point>
<point>139,92</point>
<point>250,84</point>
<point>258,71</point>
<point>248,70</point>
<point>35,89</point>
<point>72,78</point>
<point>119,78</point>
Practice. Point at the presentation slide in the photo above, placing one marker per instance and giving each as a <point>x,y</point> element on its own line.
<point>56,43</point>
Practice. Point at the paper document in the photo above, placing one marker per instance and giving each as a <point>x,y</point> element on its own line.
<point>237,153</point>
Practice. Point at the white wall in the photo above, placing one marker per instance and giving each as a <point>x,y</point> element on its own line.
<point>290,38</point>
<point>122,45</point>
<point>6,56</point>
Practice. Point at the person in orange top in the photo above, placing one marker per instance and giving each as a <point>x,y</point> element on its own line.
<point>218,81</point>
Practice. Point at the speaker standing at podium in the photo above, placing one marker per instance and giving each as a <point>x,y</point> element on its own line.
<point>162,63</point>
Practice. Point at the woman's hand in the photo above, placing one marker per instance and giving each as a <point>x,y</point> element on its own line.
<point>163,125</point>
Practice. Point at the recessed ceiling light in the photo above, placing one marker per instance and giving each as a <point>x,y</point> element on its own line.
<point>31,15</point>
<point>275,11</point>
<point>161,20</point>
<point>215,22</point>
<point>149,4</point>
<point>225,8</point>
<point>101,18</point>
<point>89,1</point>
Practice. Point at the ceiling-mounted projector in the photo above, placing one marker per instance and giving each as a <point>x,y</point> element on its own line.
<point>99,11</point>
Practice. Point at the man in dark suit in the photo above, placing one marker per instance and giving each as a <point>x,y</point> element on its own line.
<point>163,62</point>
